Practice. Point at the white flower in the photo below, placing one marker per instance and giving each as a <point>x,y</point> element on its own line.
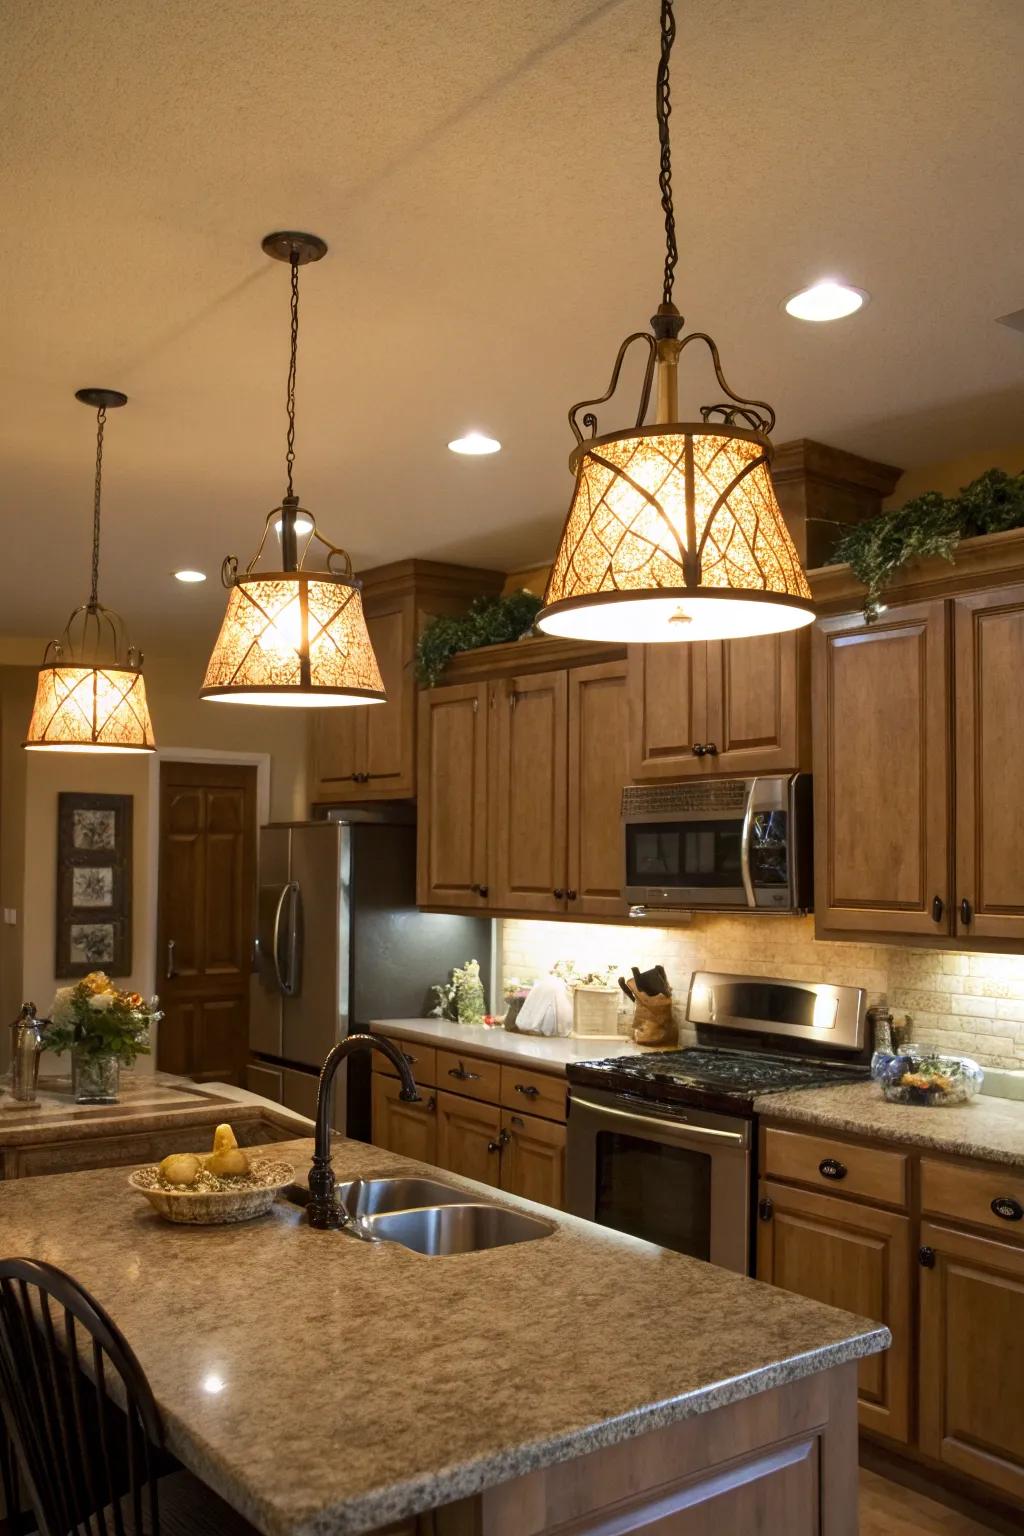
<point>62,1009</point>
<point>101,1001</point>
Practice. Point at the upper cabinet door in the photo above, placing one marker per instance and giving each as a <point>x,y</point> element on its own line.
<point>989,645</point>
<point>598,768</point>
<point>452,821</point>
<point>668,710</point>
<point>388,759</point>
<point>338,749</point>
<point>882,772</point>
<point>529,781</point>
<point>754,704</point>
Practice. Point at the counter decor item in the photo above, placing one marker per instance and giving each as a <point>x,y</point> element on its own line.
<point>547,1009</point>
<point>515,993</point>
<point>916,1075</point>
<point>461,998</point>
<point>210,1189</point>
<point>104,1028</point>
<point>651,993</point>
<point>26,1048</point>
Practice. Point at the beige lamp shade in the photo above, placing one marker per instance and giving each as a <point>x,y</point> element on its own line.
<point>294,638</point>
<point>90,709</point>
<point>674,533</point>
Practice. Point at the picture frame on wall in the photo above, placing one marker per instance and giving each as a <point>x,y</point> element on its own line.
<point>94,884</point>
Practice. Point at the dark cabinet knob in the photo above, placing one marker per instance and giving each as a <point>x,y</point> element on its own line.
<point>965,912</point>
<point>765,1209</point>
<point>926,1257</point>
<point>699,749</point>
<point>832,1168</point>
<point>558,893</point>
<point>482,890</point>
<point>1007,1207</point>
<point>503,1140</point>
<point>711,749</point>
<point>462,1076</point>
<point>527,1090</point>
<point>571,895</point>
<point>938,907</point>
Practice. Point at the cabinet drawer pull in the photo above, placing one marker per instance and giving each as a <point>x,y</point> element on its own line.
<point>698,749</point>
<point>558,893</point>
<point>832,1168</point>
<point>410,1058</point>
<point>503,1140</point>
<point>482,890</point>
<point>571,895</point>
<point>926,1257</point>
<point>938,908</point>
<point>965,912</point>
<point>1007,1207</point>
<point>527,1090</point>
<point>765,1209</point>
<point>711,749</point>
<point>462,1075</point>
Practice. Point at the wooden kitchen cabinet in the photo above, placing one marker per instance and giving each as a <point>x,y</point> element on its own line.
<point>598,769</point>
<point>468,1133</point>
<point>533,1158</point>
<point>452,852</point>
<point>972,1356</point>
<point>667,688</point>
<point>529,792</point>
<point>408,1129</point>
<point>881,712</point>
<point>989,704</point>
<point>853,1256</point>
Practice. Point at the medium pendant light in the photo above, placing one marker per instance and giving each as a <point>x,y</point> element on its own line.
<point>91,696</point>
<point>674,532</point>
<point>297,635</point>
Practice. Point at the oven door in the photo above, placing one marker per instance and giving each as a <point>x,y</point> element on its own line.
<point>677,1177</point>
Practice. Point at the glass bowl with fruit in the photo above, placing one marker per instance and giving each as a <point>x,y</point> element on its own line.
<point>916,1075</point>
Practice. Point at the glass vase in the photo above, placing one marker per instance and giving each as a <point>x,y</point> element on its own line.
<point>95,1079</point>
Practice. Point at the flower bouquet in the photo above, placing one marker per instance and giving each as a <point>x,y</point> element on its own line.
<point>104,1028</point>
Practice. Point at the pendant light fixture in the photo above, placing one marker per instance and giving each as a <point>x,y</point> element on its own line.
<point>91,696</point>
<point>295,635</point>
<point>674,532</point>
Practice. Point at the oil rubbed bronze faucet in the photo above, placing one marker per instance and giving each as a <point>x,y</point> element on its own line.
<point>325,1211</point>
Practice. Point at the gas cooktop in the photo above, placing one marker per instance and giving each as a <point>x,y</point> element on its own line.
<point>710,1077</point>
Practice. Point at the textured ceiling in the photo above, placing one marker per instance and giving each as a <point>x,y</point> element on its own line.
<point>485,176</point>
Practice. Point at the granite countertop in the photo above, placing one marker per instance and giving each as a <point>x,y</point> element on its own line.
<point>546,1053</point>
<point>324,1385</point>
<point>148,1100</point>
<point>987,1127</point>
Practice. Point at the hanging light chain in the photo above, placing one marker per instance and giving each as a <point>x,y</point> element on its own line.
<point>101,417</point>
<point>664,110</point>
<point>290,401</point>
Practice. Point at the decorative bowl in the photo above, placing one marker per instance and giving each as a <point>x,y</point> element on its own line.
<point>916,1075</point>
<point>250,1195</point>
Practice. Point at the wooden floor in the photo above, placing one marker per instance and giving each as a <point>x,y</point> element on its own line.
<point>887,1509</point>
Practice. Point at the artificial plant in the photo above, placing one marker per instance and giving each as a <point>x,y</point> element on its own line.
<point>489,621</point>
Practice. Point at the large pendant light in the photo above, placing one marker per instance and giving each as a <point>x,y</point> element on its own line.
<point>90,696</point>
<point>674,532</point>
<point>295,635</point>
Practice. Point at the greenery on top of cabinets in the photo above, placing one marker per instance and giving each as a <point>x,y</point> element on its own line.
<point>489,621</point>
<point>931,524</point>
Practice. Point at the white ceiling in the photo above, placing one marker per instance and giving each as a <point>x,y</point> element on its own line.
<point>485,175</point>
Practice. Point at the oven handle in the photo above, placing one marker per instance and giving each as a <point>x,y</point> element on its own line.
<point>678,1128</point>
<point>748,825</point>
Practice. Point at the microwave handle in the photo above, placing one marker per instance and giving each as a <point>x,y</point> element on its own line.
<point>748,826</point>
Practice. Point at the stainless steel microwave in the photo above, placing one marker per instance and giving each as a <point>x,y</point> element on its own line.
<point>722,845</point>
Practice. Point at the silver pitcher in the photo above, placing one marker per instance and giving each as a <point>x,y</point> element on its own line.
<point>26,1048</point>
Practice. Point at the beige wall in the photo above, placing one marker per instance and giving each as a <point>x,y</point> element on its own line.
<point>951,475</point>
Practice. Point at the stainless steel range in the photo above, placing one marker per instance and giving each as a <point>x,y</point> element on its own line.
<point>664,1145</point>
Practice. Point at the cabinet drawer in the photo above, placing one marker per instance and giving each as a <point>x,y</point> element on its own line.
<point>539,1092</point>
<point>421,1058</point>
<point>840,1166</point>
<point>976,1195</point>
<point>473,1076</point>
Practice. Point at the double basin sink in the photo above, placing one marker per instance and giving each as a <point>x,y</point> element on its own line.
<point>434,1218</point>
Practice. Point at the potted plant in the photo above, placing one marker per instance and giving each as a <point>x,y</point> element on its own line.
<point>104,1028</point>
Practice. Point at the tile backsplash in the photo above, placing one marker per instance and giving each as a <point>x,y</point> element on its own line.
<point>967,1003</point>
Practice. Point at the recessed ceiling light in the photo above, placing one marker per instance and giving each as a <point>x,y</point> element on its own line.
<point>303,525</point>
<point>828,300</point>
<point>189,576</point>
<point>474,443</point>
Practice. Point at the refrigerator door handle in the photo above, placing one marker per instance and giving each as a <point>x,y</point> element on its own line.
<point>285,981</point>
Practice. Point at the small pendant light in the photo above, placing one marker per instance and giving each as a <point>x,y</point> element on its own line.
<point>293,636</point>
<point>90,696</point>
<point>674,532</point>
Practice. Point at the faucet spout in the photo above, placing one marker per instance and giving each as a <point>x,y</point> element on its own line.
<point>325,1211</point>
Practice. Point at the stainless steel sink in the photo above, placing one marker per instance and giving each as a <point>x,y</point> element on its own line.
<point>446,1229</point>
<point>370,1197</point>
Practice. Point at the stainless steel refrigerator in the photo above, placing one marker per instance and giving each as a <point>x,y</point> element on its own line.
<point>340,942</point>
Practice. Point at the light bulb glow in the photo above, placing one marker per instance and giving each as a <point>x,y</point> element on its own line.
<point>189,577</point>
<point>303,525</point>
<point>827,300</point>
<point>474,445</point>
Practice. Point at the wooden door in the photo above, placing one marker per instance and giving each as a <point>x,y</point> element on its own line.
<point>755,704</point>
<point>451,837</point>
<point>598,769</point>
<point>668,709</point>
<point>972,1356</point>
<point>408,1129</point>
<point>533,1159</point>
<point>529,781</point>
<point>881,719</point>
<point>989,648</point>
<point>467,1137</point>
<point>206,915</point>
<point>855,1257</point>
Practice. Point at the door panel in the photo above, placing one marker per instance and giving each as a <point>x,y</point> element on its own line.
<point>314,1018</point>
<point>265,1015</point>
<point>533,1159</point>
<point>467,1137</point>
<point>857,1258</point>
<point>598,769</point>
<point>753,704</point>
<point>339,747</point>
<point>206,918</point>
<point>408,1129</point>
<point>528,822</point>
<point>989,643</point>
<point>389,727</point>
<point>881,772</point>
<point>668,706</point>
<point>451,834</point>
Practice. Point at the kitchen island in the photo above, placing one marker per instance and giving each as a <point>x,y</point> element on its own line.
<point>581,1382</point>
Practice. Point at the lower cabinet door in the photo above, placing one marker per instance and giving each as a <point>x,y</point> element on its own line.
<point>468,1137</point>
<point>855,1257</point>
<point>408,1129</point>
<point>533,1159</point>
<point>972,1356</point>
